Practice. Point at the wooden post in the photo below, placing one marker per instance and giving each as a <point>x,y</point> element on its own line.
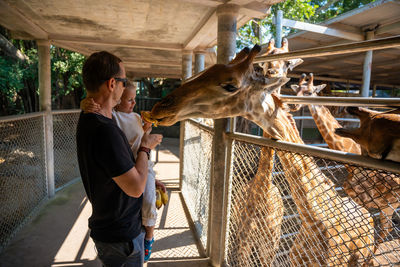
<point>45,105</point>
<point>226,41</point>
<point>367,67</point>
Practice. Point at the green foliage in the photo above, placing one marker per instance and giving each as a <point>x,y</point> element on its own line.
<point>157,87</point>
<point>312,11</point>
<point>66,72</point>
<point>19,80</point>
<point>14,77</point>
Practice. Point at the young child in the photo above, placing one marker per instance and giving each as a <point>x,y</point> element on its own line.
<point>134,128</point>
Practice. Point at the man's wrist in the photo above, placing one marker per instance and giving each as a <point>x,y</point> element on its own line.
<point>146,150</point>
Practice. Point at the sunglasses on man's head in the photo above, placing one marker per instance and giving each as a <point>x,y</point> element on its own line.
<point>123,80</point>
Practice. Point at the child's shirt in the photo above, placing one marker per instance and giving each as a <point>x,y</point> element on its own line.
<point>131,125</point>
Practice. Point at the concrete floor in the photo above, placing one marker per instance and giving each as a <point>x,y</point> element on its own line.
<point>58,235</point>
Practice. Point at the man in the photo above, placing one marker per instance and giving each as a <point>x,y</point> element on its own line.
<point>113,181</point>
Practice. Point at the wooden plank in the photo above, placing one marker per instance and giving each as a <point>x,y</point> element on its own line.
<point>209,24</point>
<point>356,47</point>
<point>322,30</point>
<point>118,43</point>
<point>13,19</point>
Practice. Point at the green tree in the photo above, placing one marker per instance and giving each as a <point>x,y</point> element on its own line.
<point>19,79</point>
<point>312,11</point>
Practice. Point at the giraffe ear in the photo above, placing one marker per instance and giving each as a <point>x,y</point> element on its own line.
<point>319,88</point>
<point>295,88</point>
<point>293,63</point>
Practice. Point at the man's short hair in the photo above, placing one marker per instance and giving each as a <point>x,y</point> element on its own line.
<point>98,68</point>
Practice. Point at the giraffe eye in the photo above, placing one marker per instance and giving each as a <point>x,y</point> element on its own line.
<point>229,87</point>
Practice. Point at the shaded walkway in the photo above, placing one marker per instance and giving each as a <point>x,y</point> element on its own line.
<point>58,235</point>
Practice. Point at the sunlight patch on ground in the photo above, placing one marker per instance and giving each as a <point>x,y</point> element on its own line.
<point>77,245</point>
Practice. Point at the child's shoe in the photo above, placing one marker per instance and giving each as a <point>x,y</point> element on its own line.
<point>148,245</point>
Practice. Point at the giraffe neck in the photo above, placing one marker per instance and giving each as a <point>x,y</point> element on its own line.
<point>327,124</point>
<point>311,190</point>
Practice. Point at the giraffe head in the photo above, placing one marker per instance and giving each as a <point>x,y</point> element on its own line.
<point>222,91</point>
<point>378,134</point>
<point>306,87</point>
<point>278,68</point>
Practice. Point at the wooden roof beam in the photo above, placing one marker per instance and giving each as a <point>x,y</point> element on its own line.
<point>140,74</point>
<point>165,70</point>
<point>323,30</point>
<point>120,43</point>
<point>19,22</point>
<point>131,61</point>
<point>387,28</point>
<point>341,80</point>
<point>208,27</point>
<point>83,51</point>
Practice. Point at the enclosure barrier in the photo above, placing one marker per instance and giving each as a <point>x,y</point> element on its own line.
<point>195,175</point>
<point>23,167</point>
<point>66,167</point>
<point>341,209</point>
<point>320,222</point>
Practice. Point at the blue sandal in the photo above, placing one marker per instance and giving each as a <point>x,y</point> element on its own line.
<point>148,245</point>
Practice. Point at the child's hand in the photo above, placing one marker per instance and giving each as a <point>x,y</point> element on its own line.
<point>146,125</point>
<point>89,106</point>
<point>151,140</point>
<point>161,185</point>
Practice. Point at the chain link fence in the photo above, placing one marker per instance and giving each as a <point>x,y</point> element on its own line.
<point>23,181</point>
<point>290,209</point>
<point>196,176</point>
<point>65,161</point>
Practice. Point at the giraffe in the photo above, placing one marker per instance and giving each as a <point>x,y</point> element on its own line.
<point>251,213</point>
<point>378,134</point>
<point>323,118</point>
<point>334,230</point>
<point>370,189</point>
<point>260,207</point>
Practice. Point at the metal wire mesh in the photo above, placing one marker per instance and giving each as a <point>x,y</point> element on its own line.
<point>65,160</point>
<point>298,210</point>
<point>22,172</point>
<point>196,176</point>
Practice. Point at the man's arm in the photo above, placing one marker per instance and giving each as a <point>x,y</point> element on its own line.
<point>134,181</point>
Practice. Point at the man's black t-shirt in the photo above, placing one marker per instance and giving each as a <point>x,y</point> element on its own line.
<point>104,153</point>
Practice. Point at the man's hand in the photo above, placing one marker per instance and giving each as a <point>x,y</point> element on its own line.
<point>151,140</point>
<point>89,106</point>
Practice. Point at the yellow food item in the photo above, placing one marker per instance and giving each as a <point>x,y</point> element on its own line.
<point>147,117</point>
<point>158,199</point>
<point>164,197</point>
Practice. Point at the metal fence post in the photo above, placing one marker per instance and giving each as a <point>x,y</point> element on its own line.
<point>367,67</point>
<point>278,18</point>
